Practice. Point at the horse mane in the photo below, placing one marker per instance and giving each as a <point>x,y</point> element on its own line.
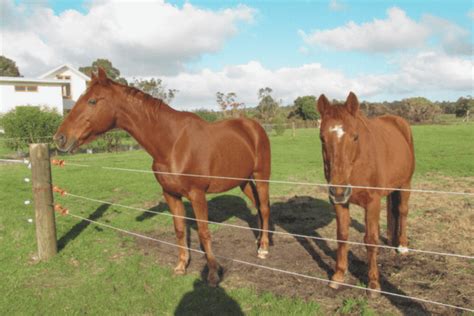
<point>146,98</point>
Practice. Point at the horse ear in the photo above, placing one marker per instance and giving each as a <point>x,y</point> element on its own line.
<point>352,103</point>
<point>323,104</point>
<point>101,75</point>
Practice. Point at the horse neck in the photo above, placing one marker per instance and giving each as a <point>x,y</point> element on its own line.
<point>151,122</point>
<point>366,147</point>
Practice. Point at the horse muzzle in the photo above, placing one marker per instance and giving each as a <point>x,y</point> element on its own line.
<point>340,195</point>
<point>63,143</point>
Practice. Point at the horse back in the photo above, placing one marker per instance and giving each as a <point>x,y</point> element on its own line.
<point>393,143</point>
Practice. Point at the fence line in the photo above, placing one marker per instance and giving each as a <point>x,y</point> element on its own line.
<point>315,184</point>
<point>269,231</point>
<point>276,269</point>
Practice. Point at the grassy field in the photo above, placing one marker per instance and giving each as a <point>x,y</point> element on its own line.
<point>100,271</point>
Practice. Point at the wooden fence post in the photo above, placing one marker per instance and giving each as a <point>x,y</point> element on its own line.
<point>44,204</point>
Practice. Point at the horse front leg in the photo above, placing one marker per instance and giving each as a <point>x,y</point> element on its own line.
<point>199,203</point>
<point>372,216</point>
<point>177,209</point>
<point>343,220</point>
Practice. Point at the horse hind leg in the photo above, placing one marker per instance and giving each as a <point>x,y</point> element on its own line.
<point>393,216</point>
<point>263,192</point>
<point>397,211</point>
<point>402,232</point>
<point>250,190</point>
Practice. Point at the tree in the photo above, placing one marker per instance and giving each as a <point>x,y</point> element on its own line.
<point>228,101</point>
<point>112,72</point>
<point>155,88</point>
<point>463,105</point>
<point>305,108</point>
<point>267,108</point>
<point>8,67</point>
<point>416,109</point>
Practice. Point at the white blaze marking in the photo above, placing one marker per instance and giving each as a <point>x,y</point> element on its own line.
<point>338,130</point>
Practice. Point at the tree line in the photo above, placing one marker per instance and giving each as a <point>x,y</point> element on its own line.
<point>269,110</point>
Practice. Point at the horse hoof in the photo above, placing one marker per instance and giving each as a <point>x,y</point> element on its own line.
<point>374,290</point>
<point>373,293</point>
<point>179,271</point>
<point>402,250</point>
<point>213,280</point>
<point>333,285</point>
<point>262,253</point>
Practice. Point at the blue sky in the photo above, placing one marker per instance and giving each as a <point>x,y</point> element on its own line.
<point>265,43</point>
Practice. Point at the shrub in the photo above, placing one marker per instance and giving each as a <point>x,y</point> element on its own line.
<point>29,124</point>
<point>463,105</point>
<point>417,110</point>
<point>279,125</point>
<point>206,115</point>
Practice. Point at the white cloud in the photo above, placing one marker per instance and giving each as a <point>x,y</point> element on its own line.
<point>453,38</point>
<point>336,5</point>
<point>395,33</point>
<point>152,37</point>
<point>419,74</point>
<point>470,14</point>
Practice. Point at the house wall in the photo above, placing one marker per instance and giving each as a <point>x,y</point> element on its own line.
<point>78,84</point>
<point>47,95</point>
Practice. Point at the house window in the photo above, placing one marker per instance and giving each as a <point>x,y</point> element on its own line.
<point>63,77</point>
<point>66,90</point>
<point>26,88</point>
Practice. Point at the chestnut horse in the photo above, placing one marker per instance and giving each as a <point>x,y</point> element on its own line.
<point>372,153</point>
<point>179,142</point>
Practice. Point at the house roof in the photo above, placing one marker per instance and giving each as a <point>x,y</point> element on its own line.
<point>68,66</point>
<point>32,80</point>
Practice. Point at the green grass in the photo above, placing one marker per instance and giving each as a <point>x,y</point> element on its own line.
<point>100,271</point>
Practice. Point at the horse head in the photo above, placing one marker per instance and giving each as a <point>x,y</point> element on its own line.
<point>93,114</point>
<point>339,140</point>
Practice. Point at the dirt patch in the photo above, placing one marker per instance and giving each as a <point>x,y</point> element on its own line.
<point>440,223</point>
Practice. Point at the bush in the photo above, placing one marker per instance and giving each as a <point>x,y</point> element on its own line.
<point>416,110</point>
<point>114,140</point>
<point>279,125</point>
<point>463,106</point>
<point>206,115</point>
<point>29,124</point>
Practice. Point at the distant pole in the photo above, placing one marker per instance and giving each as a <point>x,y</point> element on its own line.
<point>293,133</point>
<point>43,196</point>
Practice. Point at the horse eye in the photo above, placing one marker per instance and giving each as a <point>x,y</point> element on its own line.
<point>322,139</point>
<point>356,137</point>
<point>92,101</point>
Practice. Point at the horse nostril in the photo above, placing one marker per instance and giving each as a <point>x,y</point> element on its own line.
<point>60,140</point>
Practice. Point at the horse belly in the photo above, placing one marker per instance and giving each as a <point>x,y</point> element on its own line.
<point>400,163</point>
<point>239,165</point>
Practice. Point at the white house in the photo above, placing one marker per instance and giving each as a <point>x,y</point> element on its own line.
<point>59,89</point>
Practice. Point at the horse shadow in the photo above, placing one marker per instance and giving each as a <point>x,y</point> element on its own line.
<point>303,215</point>
<point>77,229</point>
<point>204,300</point>
<point>314,214</point>
<point>221,209</point>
